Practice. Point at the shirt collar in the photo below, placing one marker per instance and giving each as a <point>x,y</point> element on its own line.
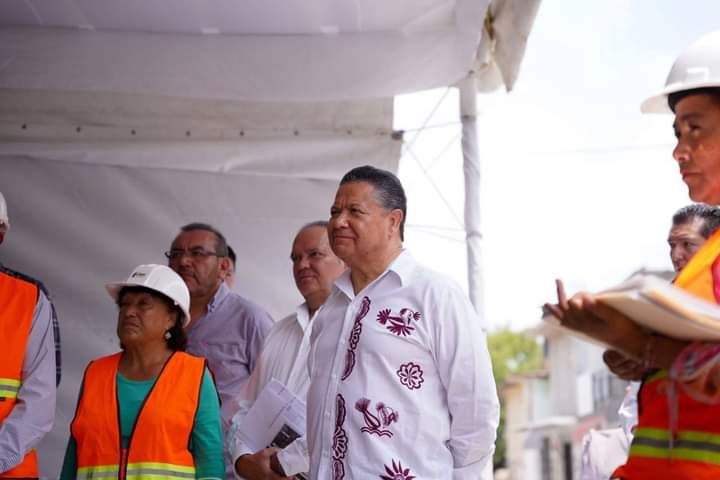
<point>302,315</point>
<point>222,292</point>
<point>402,267</point>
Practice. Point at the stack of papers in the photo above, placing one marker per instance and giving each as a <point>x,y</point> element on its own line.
<point>276,418</point>
<point>660,306</point>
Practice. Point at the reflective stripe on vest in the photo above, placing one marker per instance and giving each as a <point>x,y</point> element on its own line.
<point>138,471</point>
<point>695,446</point>
<point>158,444</point>
<point>18,299</point>
<point>102,471</point>
<point>154,470</point>
<point>9,387</point>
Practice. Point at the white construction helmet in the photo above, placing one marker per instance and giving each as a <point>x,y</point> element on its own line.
<point>161,279</point>
<point>4,220</point>
<point>696,67</point>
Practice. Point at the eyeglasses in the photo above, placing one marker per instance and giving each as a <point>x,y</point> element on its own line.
<point>193,253</point>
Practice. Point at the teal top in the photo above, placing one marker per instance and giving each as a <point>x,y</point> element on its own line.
<point>206,443</point>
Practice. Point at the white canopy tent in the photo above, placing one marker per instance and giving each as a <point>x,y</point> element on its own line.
<point>121,121</point>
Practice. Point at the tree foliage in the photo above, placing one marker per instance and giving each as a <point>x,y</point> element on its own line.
<point>511,353</point>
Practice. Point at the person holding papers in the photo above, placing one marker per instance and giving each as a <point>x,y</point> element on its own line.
<point>605,450</point>
<point>692,225</point>
<point>678,432</point>
<point>284,356</point>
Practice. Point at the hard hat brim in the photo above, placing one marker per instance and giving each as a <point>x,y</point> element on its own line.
<point>659,103</point>
<point>114,289</point>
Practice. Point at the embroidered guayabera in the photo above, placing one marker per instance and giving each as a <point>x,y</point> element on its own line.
<point>376,424</point>
<point>340,440</point>
<point>355,338</point>
<point>400,324</point>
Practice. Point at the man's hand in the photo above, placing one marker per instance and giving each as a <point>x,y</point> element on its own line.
<point>623,366</point>
<point>584,314</point>
<point>258,466</point>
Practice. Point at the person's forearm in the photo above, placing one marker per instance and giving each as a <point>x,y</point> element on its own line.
<point>662,351</point>
<point>652,350</point>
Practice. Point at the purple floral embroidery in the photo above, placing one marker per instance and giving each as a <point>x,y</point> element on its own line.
<point>355,338</point>
<point>397,472</point>
<point>340,440</point>
<point>338,470</point>
<point>376,424</point>
<point>400,324</point>
<point>339,443</point>
<point>411,375</point>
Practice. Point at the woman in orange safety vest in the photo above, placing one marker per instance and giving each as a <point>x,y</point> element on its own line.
<point>150,411</point>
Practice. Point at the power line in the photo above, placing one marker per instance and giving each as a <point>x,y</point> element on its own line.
<point>432,112</point>
<point>430,127</point>
<point>440,235</point>
<point>444,150</point>
<point>435,187</point>
<point>599,150</point>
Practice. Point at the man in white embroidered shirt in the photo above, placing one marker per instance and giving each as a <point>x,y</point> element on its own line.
<point>284,356</point>
<point>401,384</point>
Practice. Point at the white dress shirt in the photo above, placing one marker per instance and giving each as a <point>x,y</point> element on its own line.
<point>284,358</point>
<point>401,384</point>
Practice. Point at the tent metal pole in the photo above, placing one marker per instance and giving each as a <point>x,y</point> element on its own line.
<point>471,170</point>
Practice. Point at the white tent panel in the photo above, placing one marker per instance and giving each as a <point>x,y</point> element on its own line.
<point>322,67</point>
<point>77,225</point>
<point>231,16</point>
<point>162,117</point>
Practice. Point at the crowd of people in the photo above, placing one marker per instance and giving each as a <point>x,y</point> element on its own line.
<point>390,358</point>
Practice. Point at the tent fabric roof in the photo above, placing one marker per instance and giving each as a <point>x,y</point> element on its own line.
<point>252,50</point>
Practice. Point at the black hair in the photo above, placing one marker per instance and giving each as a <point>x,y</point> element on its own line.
<point>178,339</point>
<point>388,189</point>
<point>709,215</point>
<point>674,98</point>
<point>221,246</point>
<point>231,255</point>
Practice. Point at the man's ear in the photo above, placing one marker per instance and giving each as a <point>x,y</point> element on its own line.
<point>224,266</point>
<point>396,218</point>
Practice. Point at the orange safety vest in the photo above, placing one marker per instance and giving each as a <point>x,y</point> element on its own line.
<point>159,443</point>
<point>695,452</point>
<point>18,299</point>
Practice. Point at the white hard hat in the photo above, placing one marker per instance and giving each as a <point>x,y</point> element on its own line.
<point>696,67</point>
<point>161,279</point>
<point>4,220</point>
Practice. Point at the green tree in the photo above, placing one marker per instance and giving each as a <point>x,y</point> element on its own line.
<point>511,353</point>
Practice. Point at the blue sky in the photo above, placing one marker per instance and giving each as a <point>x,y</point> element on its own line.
<point>577,183</point>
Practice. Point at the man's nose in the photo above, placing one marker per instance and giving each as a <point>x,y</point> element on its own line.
<point>303,262</point>
<point>339,220</point>
<point>681,152</point>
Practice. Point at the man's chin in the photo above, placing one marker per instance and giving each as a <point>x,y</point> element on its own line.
<point>307,289</point>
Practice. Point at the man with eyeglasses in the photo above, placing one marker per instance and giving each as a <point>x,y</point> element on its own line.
<point>225,328</point>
